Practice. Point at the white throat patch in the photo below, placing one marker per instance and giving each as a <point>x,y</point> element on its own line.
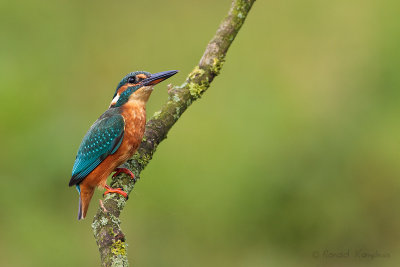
<point>115,99</point>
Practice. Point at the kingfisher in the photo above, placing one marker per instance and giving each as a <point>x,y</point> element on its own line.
<point>114,137</point>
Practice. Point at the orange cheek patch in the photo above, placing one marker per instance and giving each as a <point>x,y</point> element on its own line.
<point>122,88</point>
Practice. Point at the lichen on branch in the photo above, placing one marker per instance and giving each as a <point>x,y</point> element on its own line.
<point>106,224</point>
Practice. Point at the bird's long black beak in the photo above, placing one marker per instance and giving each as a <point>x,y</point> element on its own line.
<point>158,77</point>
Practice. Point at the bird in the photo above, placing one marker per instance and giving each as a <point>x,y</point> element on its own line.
<point>114,137</point>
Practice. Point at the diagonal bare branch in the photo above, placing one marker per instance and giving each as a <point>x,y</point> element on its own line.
<point>106,224</point>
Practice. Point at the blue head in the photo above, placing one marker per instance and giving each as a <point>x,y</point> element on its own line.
<point>138,85</point>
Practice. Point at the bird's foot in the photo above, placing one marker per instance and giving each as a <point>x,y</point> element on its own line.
<point>115,190</point>
<point>124,170</point>
<point>102,206</point>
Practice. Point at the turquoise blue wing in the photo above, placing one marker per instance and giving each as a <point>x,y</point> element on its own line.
<point>102,139</point>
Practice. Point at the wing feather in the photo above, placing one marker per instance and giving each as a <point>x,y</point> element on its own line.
<point>102,139</point>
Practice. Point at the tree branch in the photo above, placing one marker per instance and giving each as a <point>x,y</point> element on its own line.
<point>106,223</point>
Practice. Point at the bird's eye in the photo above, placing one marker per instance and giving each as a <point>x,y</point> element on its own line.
<point>131,80</point>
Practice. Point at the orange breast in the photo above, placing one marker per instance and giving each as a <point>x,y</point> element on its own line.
<point>135,120</point>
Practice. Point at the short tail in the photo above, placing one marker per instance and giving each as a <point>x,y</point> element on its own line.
<point>85,195</point>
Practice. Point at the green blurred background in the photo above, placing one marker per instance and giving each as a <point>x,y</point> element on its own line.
<point>294,149</point>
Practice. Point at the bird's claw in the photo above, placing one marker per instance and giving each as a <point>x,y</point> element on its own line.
<point>115,190</point>
<point>102,206</point>
<point>124,170</point>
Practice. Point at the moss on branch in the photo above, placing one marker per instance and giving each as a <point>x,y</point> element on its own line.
<point>106,224</point>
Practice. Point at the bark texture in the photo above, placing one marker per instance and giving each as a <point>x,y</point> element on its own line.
<point>106,224</point>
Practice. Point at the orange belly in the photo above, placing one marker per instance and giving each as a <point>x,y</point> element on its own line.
<point>135,120</point>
